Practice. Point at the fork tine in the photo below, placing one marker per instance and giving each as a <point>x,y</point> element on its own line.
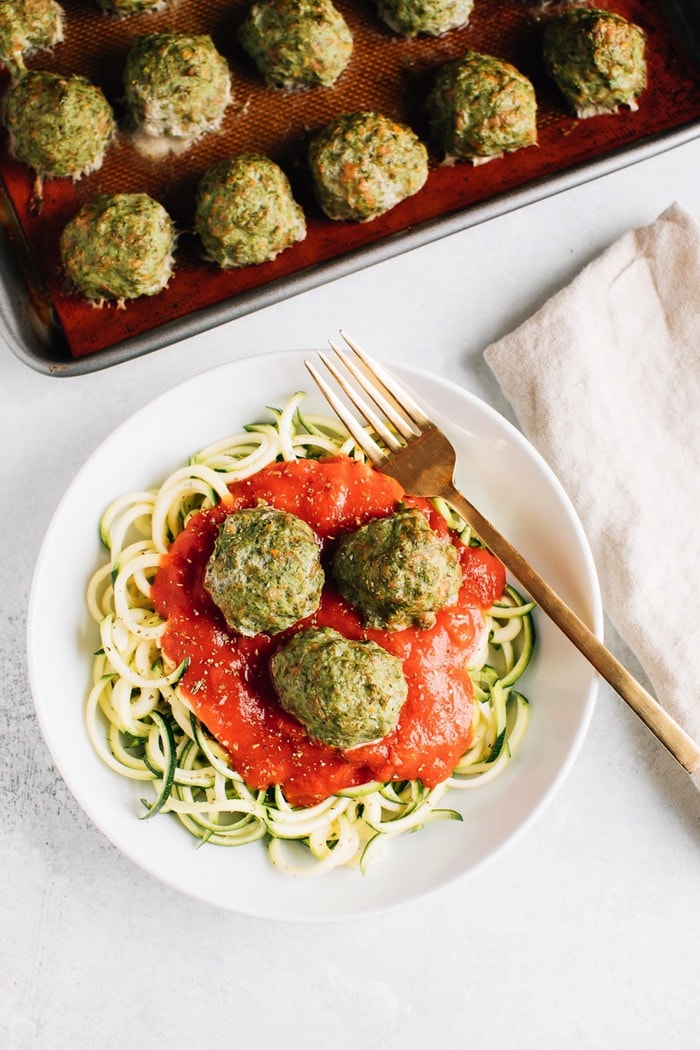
<point>363,407</point>
<point>399,395</point>
<point>375,389</point>
<point>360,435</point>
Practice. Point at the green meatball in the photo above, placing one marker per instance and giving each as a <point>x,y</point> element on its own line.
<point>245,212</point>
<point>596,59</point>
<point>119,246</point>
<point>124,8</point>
<point>430,17</point>
<point>344,692</point>
<point>397,571</point>
<point>58,125</point>
<point>481,107</point>
<point>297,43</point>
<point>176,85</point>
<point>27,26</point>
<point>363,164</point>
<point>265,572</point>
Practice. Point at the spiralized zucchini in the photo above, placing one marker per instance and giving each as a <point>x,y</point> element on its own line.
<point>142,727</point>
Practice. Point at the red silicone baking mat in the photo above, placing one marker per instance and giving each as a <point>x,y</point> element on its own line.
<point>387,73</point>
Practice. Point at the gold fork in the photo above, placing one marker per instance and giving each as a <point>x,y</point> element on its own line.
<point>419,456</point>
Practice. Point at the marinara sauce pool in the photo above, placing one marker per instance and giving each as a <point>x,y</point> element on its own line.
<point>227,681</point>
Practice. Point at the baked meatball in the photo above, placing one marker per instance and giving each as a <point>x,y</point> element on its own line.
<point>481,107</point>
<point>58,125</point>
<point>27,26</point>
<point>344,692</point>
<point>176,85</point>
<point>596,58</point>
<point>265,572</point>
<point>125,8</point>
<point>297,43</point>
<point>397,571</point>
<point>363,164</point>
<point>119,246</point>
<point>428,17</point>
<point>245,212</point>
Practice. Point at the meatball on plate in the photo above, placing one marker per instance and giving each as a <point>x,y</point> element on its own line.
<point>397,571</point>
<point>345,692</point>
<point>265,573</point>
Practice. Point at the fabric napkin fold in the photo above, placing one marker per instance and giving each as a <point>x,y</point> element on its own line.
<point>605,382</point>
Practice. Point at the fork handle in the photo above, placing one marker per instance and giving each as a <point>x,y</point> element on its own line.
<point>672,736</point>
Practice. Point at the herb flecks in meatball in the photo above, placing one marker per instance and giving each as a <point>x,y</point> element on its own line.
<point>429,17</point>
<point>596,58</point>
<point>119,246</point>
<point>481,107</point>
<point>397,571</point>
<point>27,26</point>
<point>176,85</point>
<point>297,43</point>
<point>245,212</point>
<point>363,164</point>
<point>59,125</point>
<point>344,692</point>
<point>265,572</point>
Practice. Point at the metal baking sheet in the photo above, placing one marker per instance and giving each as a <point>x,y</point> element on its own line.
<point>56,332</point>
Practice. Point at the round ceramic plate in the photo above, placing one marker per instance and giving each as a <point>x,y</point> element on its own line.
<point>500,472</point>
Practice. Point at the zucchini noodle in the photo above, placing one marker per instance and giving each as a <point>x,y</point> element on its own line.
<point>142,727</point>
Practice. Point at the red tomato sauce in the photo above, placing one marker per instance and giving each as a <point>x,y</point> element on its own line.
<point>227,680</point>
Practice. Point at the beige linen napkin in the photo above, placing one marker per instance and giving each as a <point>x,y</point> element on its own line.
<point>605,382</point>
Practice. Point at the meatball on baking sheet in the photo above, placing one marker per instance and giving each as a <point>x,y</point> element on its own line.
<point>57,330</point>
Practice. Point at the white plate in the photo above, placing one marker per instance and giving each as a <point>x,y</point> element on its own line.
<point>501,473</point>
